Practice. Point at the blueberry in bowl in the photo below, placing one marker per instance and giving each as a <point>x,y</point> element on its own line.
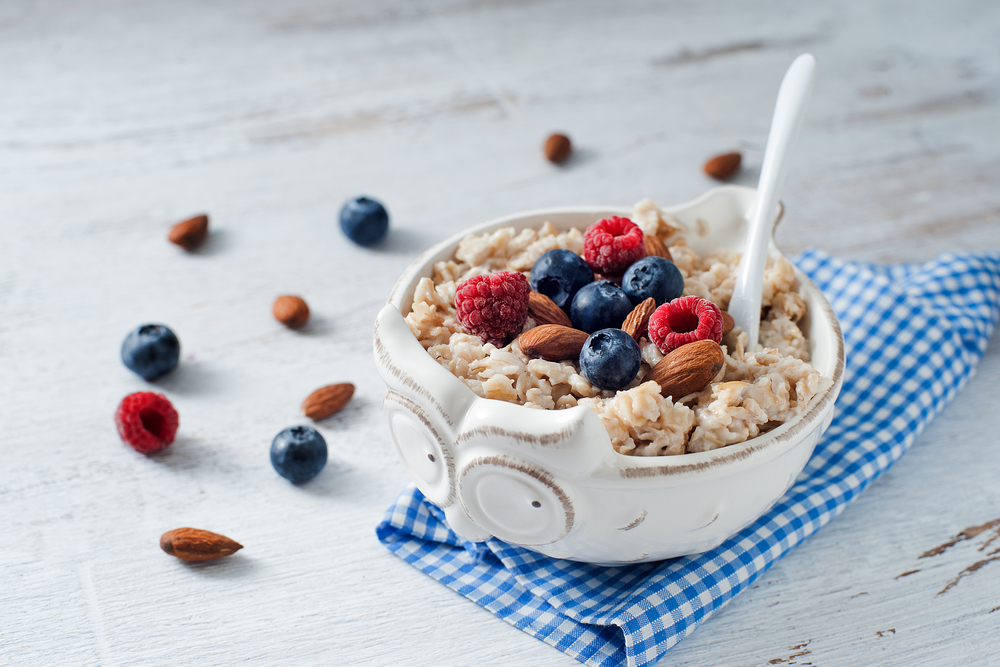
<point>610,358</point>
<point>151,351</point>
<point>364,220</point>
<point>655,277</point>
<point>559,274</point>
<point>599,305</point>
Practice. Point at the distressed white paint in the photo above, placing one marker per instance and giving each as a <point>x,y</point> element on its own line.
<point>119,118</point>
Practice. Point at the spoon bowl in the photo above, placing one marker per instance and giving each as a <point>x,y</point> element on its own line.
<point>789,110</point>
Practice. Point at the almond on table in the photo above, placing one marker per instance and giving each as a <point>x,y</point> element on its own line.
<point>723,167</point>
<point>291,311</point>
<point>194,544</point>
<point>189,233</point>
<point>558,148</point>
<point>327,400</point>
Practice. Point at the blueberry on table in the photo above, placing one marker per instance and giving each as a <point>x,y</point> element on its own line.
<point>151,351</point>
<point>559,274</point>
<point>599,305</point>
<point>655,277</point>
<point>364,220</point>
<point>298,453</point>
<point>610,358</point>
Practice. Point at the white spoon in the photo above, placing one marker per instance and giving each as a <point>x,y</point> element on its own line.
<point>788,113</point>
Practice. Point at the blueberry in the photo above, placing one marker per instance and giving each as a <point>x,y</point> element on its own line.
<point>298,453</point>
<point>655,277</point>
<point>364,220</point>
<point>559,275</point>
<point>599,305</point>
<point>151,351</point>
<point>610,359</point>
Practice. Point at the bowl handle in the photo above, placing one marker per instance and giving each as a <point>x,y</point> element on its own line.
<point>406,367</point>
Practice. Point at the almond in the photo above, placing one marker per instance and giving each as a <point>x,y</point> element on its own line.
<point>727,323</point>
<point>638,320</point>
<point>723,167</point>
<point>545,311</point>
<point>196,544</point>
<point>687,369</point>
<point>327,400</point>
<point>558,148</point>
<point>552,342</point>
<point>189,233</point>
<point>291,311</point>
<point>655,247</point>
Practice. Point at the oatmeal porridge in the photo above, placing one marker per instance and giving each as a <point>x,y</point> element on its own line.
<point>753,392</point>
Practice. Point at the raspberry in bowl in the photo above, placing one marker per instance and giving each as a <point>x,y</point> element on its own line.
<point>544,458</point>
<point>493,306</point>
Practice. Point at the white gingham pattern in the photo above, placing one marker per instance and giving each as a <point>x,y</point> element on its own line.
<point>914,334</point>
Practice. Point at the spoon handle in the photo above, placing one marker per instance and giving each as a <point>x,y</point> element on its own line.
<point>789,111</point>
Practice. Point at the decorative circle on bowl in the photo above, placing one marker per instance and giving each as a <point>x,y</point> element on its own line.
<point>420,448</point>
<point>515,501</point>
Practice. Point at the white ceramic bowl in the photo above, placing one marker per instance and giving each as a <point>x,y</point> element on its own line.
<point>550,480</point>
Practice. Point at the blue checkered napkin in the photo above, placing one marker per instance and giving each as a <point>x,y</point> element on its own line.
<point>914,335</point>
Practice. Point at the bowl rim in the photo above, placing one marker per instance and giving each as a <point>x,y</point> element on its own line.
<point>774,442</point>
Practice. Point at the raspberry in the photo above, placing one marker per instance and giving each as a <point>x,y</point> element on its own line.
<point>685,320</point>
<point>147,421</point>
<point>493,306</point>
<point>611,245</point>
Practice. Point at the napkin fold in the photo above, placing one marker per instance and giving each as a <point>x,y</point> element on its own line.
<point>914,334</point>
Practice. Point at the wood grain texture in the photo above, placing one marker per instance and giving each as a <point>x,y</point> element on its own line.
<point>121,118</point>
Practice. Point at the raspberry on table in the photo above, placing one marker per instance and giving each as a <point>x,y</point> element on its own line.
<point>685,320</point>
<point>493,306</point>
<point>147,421</point>
<point>611,245</point>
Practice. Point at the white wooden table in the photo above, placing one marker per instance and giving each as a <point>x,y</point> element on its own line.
<point>119,118</point>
